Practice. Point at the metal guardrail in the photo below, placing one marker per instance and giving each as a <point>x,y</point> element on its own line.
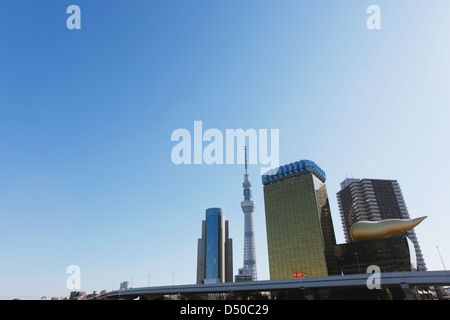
<point>403,279</point>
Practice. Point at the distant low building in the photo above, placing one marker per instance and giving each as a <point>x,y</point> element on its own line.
<point>242,277</point>
<point>124,285</point>
<point>75,295</point>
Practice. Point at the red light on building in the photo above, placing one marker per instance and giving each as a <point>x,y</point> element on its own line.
<point>298,275</point>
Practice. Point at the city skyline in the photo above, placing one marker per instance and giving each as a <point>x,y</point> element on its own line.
<point>86,118</point>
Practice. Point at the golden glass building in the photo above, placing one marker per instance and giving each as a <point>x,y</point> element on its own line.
<point>300,233</point>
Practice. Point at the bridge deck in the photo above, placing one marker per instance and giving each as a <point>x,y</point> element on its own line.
<point>403,279</point>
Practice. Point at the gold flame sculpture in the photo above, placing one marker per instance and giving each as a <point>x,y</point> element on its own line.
<point>370,230</point>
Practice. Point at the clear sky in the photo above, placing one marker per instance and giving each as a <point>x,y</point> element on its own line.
<point>86,118</point>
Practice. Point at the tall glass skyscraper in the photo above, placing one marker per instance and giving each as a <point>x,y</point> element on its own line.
<point>215,249</point>
<point>300,233</point>
<point>374,200</point>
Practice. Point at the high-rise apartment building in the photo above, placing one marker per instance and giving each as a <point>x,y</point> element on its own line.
<point>300,234</point>
<point>215,249</point>
<point>374,200</point>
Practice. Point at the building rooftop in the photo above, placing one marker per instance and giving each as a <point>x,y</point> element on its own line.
<point>298,168</point>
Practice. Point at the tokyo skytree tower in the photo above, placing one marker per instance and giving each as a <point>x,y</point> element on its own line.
<point>248,206</point>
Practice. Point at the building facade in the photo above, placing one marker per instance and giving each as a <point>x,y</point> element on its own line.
<point>300,233</point>
<point>394,254</point>
<point>374,200</point>
<point>215,249</point>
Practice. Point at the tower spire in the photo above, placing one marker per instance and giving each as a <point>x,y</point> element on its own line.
<point>246,166</point>
<point>248,206</point>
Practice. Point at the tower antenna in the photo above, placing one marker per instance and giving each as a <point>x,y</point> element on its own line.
<point>246,166</point>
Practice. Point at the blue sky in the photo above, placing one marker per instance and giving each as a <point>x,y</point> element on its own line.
<point>86,118</point>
